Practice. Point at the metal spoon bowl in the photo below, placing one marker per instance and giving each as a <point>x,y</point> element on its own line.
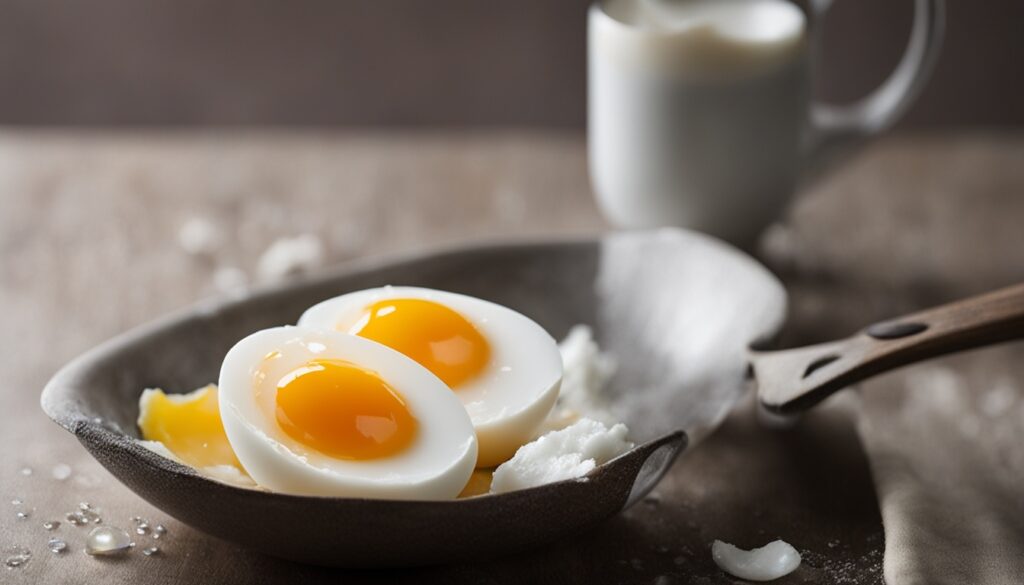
<point>676,310</point>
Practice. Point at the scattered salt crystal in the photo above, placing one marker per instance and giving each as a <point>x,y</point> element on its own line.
<point>107,540</point>
<point>771,561</point>
<point>51,525</point>
<point>23,514</point>
<point>290,256</point>
<point>17,501</point>
<point>61,471</point>
<point>199,236</point>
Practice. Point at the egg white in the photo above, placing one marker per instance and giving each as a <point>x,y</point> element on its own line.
<point>436,465</point>
<point>509,401</point>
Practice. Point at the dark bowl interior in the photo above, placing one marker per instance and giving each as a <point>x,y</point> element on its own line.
<point>680,370</point>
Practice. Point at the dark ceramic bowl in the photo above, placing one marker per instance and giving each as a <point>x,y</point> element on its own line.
<point>677,310</point>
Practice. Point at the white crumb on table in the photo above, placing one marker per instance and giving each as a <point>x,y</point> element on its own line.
<point>772,561</point>
<point>199,236</point>
<point>230,279</point>
<point>288,256</point>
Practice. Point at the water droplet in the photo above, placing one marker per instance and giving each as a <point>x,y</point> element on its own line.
<point>76,518</point>
<point>16,556</point>
<point>26,471</point>
<point>150,551</point>
<point>23,514</point>
<point>107,540</point>
<point>87,514</point>
<point>51,525</point>
<point>159,531</point>
<point>142,528</point>
<point>136,519</point>
<point>61,471</point>
<point>17,502</point>
<point>56,545</point>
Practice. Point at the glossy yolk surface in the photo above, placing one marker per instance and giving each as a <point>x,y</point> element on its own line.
<point>440,339</point>
<point>188,425</point>
<point>344,411</point>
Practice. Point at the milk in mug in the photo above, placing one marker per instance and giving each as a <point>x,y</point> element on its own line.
<point>697,110</point>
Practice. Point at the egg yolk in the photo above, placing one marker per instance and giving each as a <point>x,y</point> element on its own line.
<point>189,425</point>
<point>344,411</point>
<point>440,339</point>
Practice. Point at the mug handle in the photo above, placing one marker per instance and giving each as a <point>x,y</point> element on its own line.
<point>833,126</point>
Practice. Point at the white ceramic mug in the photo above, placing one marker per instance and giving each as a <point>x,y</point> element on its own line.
<point>700,115</point>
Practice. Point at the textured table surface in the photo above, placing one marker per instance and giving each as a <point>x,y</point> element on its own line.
<point>89,247</point>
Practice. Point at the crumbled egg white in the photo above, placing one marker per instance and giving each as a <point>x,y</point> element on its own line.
<point>585,372</point>
<point>559,455</point>
<point>772,561</point>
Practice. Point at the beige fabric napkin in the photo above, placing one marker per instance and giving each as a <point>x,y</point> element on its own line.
<point>946,444</point>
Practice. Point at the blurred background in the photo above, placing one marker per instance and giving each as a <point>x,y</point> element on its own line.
<point>483,107</point>
<point>448,63</point>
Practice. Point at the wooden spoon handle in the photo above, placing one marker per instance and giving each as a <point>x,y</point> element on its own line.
<point>796,379</point>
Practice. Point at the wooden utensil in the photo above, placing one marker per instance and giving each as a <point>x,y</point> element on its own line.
<point>796,379</point>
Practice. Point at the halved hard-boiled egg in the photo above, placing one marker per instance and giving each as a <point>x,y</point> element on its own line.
<point>318,412</point>
<point>500,364</point>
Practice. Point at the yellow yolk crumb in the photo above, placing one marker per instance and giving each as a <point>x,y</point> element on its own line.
<point>479,483</point>
<point>188,425</point>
